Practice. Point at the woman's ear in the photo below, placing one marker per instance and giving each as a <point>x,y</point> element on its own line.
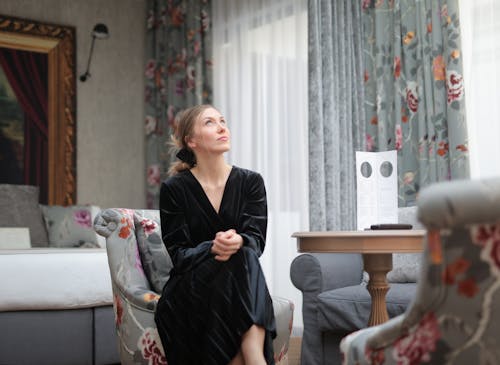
<point>190,142</point>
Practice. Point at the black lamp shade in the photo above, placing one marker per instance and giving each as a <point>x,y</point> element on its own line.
<point>100,31</point>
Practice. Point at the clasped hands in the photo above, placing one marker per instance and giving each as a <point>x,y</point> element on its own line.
<point>226,244</point>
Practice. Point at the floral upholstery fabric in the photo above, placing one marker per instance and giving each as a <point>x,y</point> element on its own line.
<point>455,318</point>
<point>154,256</point>
<point>134,256</point>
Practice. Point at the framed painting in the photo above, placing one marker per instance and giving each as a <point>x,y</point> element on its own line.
<point>55,44</point>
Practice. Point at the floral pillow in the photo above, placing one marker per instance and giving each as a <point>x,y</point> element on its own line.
<point>154,256</point>
<point>71,226</point>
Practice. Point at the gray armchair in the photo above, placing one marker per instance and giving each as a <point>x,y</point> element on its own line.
<point>139,266</point>
<point>455,317</point>
<point>336,301</point>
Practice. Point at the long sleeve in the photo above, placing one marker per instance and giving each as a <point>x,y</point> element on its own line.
<point>253,220</point>
<point>185,254</point>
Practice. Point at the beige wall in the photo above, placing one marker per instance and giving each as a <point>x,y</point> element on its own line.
<point>110,137</point>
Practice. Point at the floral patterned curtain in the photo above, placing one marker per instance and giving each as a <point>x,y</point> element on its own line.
<point>414,97</point>
<point>178,74</point>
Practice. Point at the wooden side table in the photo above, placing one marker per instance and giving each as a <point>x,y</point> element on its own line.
<point>376,246</point>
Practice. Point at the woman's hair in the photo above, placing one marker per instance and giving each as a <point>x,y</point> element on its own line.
<point>183,128</point>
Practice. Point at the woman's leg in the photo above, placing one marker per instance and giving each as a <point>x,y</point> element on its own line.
<point>238,359</point>
<point>252,346</point>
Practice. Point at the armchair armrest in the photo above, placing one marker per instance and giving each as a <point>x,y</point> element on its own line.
<point>127,275</point>
<point>314,273</point>
<point>133,300</point>
<point>318,272</point>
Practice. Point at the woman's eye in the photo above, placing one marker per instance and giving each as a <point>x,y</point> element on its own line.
<point>208,122</point>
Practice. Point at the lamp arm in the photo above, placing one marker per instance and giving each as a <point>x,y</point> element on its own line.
<point>87,73</point>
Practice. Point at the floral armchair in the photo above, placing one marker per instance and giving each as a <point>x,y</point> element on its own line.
<point>139,266</point>
<point>455,317</point>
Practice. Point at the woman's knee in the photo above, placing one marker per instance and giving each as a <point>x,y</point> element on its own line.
<point>252,345</point>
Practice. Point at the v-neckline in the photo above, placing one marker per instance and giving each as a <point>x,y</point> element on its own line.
<point>205,196</point>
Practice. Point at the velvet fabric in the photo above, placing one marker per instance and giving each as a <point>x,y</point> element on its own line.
<point>217,300</point>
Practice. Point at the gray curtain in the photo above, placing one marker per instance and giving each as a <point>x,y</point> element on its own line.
<point>336,111</point>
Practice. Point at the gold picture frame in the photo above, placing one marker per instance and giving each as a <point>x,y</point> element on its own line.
<point>58,42</point>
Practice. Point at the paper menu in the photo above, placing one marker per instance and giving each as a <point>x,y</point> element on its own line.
<point>377,188</point>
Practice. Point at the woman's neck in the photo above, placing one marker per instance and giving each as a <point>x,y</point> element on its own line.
<point>212,171</point>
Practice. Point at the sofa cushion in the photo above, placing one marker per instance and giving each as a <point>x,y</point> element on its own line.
<point>52,279</point>
<point>19,208</point>
<point>405,268</point>
<point>347,309</point>
<point>155,259</point>
<point>71,226</point>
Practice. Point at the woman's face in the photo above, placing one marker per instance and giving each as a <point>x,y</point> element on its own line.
<point>210,133</point>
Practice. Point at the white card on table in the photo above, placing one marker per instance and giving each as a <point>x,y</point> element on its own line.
<point>377,188</point>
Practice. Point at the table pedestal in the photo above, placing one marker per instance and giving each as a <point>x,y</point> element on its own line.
<point>378,265</point>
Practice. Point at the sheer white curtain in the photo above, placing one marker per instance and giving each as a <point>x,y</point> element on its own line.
<point>260,85</point>
<point>480,27</point>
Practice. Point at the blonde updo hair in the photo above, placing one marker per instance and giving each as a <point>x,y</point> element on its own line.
<point>183,128</point>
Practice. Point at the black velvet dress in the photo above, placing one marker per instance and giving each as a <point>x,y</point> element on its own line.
<point>207,304</point>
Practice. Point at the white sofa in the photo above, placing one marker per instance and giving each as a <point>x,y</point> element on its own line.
<point>56,307</point>
<point>56,301</point>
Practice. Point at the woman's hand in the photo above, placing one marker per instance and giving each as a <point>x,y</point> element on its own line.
<point>226,244</point>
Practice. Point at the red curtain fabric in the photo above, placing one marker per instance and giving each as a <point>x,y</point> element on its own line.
<point>27,75</point>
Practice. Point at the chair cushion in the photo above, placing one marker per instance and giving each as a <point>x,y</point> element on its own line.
<point>347,309</point>
<point>155,259</point>
<point>19,208</point>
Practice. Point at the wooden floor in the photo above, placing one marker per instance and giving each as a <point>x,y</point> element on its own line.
<point>294,351</point>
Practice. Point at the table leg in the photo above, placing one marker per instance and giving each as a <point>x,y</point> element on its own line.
<point>378,265</point>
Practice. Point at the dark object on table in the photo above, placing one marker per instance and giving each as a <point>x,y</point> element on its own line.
<point>391,226</point>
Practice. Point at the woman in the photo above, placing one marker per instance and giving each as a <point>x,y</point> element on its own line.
<point>215,308</point>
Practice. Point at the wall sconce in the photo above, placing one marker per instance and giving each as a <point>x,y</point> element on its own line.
<point>100,31</point>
